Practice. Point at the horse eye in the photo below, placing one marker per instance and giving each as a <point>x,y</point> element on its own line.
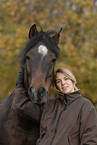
<point>28,57</point>
<point>54,60</point>
<point>50,76</point>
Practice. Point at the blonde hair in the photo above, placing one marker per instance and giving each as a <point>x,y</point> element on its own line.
<point>68,73</point>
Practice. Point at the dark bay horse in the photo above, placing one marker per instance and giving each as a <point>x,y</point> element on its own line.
<point>38,57</point>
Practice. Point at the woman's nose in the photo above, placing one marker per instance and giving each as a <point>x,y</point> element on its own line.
<point>63,82</point>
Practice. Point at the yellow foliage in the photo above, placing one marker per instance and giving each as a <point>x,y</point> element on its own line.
<point>78,38</point>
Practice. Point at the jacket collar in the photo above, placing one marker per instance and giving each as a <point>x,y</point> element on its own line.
<point>69,98</point>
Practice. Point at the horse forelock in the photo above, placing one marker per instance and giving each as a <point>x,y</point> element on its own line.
<point>40,37</point>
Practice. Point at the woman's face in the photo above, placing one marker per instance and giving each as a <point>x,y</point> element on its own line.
<point>64,84</point>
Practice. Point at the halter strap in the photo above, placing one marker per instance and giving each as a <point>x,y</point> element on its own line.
<point>26,83</point>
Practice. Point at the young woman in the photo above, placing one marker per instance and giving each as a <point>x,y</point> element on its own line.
<point>68,120</point>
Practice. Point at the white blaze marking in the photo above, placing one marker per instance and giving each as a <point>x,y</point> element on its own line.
<point>42,50</point>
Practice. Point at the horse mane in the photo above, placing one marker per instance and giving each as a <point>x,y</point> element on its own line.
<point>44,37</point>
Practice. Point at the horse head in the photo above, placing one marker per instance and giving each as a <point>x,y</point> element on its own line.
<point>39,57</point>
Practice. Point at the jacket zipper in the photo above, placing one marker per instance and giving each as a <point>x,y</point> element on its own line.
<point>57,125</point>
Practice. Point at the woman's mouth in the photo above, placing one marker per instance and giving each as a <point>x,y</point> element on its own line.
<point>65,87</point>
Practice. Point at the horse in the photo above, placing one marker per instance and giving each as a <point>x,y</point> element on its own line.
<point>38,58</point>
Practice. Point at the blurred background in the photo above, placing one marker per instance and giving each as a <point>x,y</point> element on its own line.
<point>78,43</point>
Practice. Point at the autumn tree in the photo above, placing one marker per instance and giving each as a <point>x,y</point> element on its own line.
<point>78,40</point>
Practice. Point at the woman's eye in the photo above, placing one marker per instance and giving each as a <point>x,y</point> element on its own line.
<point>65,79</point>
<point>57,82</point>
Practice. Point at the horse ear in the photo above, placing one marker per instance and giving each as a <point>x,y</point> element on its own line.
<point>33,31</point>
<point>56,37</point>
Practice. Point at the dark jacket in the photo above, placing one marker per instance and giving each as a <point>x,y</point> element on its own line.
<point>71,121</point>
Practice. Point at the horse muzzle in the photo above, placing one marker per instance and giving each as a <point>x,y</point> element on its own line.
<point>37,96</point>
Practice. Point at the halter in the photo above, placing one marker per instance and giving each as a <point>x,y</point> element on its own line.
<point>26,82</point>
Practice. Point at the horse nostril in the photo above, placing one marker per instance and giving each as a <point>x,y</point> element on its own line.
<point>32,89</point>
<point>41,90</point>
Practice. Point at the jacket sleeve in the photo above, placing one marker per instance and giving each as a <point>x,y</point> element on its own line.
<point>88,124</point>
<point>23,106</point>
